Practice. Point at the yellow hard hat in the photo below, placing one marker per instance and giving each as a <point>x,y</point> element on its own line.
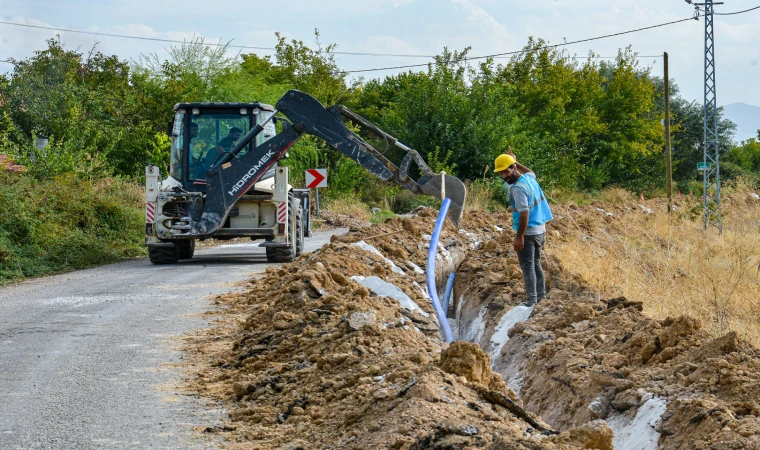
<point>503,162</point>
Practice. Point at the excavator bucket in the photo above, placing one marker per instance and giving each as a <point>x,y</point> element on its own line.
<point>453,189</point>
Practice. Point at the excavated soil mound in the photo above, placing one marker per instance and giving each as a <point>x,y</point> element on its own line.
<point>589,359</point>
<point>341,349</point>
<point>310,357</point>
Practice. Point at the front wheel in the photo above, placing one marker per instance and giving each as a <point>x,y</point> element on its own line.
<point>164,255</point>
<point>186,248</point>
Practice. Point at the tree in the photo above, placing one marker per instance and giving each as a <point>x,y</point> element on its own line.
<point>295,65</point>
<point>633,141</point>
<point>687,131</point>
<point>577,124</point>
<point>743,160</point>
<point>314,71</point>
<point>84,104</point>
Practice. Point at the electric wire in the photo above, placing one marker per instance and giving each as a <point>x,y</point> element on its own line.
<point>731,13</point>
<point>69,30</point>
<point>603,57</point>
<point>495,55</point>
<point>521,51</point>
<point>176,41</point>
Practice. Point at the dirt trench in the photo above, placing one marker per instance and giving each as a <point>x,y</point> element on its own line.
<point>341,349</point>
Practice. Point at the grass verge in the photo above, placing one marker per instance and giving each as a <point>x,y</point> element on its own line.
<point>66,223</point>
<point>668,261</point>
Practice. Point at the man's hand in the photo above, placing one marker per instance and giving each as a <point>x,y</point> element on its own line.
<point>519,243</point>
<point>512,153</point>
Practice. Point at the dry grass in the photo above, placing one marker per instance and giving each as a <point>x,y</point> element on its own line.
<point>669,262</point>
<point>481,196</point>
<point>350,207</point>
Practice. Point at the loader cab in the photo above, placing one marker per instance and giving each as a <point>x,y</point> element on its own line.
<point>202,132</point>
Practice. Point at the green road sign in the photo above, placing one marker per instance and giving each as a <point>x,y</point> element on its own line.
<point>703,165</point>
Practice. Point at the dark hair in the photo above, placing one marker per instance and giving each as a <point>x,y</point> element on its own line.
<point>193,124</point>
<point>235,129</point>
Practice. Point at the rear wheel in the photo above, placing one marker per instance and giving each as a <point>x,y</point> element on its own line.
<point>186,248</point>
<point>299,231</point>
<point>164,255</point>
<point>284,254</point>
<point>280,254</point>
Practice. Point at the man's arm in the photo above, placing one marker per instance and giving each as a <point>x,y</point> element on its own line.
<point>220,146</point>
<point>523,169</point>
<point>520,199</point>
<point>519,242</point>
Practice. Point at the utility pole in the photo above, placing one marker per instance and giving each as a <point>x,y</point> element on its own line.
<point>668,159</point>
<point>710,157</point>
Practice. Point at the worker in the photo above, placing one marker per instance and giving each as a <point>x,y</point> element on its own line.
<point>212,155</point>
<point>226,144</point>
<point>193,134</point>
<point>530,212</point>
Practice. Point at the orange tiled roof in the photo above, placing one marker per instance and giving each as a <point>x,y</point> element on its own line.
<point>8,164</point>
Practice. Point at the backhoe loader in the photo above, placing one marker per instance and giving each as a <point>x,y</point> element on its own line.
<point>225,181</point>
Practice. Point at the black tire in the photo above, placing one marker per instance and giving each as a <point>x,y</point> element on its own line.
<point>164,255</point>
<point>283,254</point>
<point>280,254</point>
<point>186,248</point>
<point>299,231</point>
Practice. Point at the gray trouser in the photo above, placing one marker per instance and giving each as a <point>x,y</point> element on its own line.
<point>530,263</point>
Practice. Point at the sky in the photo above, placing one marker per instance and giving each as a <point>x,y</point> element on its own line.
<point>408,27</point>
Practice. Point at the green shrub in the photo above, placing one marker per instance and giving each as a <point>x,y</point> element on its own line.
<point>406,201</point>
<point>381,216</point>
<point>66,223</point>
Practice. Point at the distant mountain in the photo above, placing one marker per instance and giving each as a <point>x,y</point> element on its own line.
<point>746,117</point>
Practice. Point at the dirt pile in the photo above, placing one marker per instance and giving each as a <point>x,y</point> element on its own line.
<point>585,359</point>
<point>322,353</point>
<point>341,349</point>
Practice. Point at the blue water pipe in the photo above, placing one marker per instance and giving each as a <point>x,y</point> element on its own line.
<point>447,293</point>
<point>432,289</point>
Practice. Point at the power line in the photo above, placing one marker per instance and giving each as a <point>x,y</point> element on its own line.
<point>143,38</point>
<point>496,55</point>
<point>12,62</point>
<point>731,13</point>
<point>596,57</point>
<point>520,51</point>
<point>175,41</point>
<point>615,57</point>
<point>737,12</point>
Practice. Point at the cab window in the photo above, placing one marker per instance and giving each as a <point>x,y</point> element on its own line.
<point>216,134</point>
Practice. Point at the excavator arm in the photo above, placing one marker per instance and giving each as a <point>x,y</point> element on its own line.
<point>231,175</point>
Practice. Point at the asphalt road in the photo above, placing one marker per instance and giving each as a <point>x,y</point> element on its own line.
<point>86,357</point>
